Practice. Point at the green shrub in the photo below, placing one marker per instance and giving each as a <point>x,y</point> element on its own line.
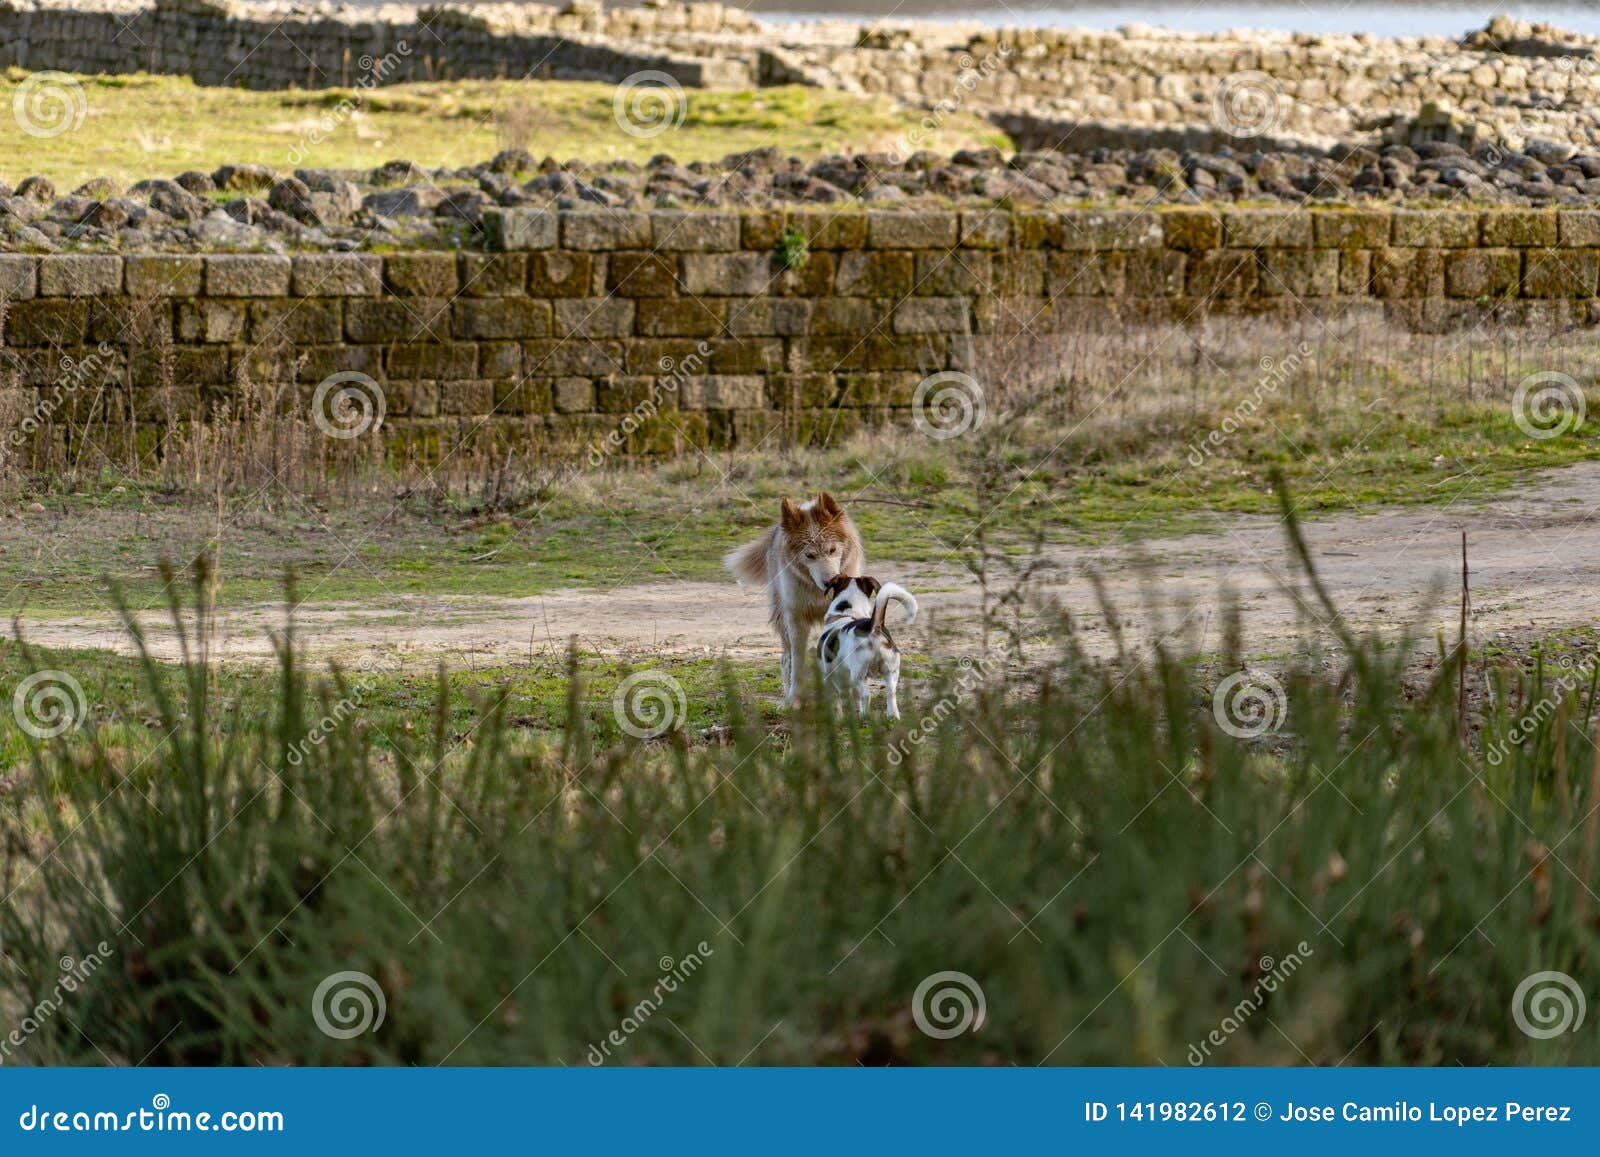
<point>1112,867</point>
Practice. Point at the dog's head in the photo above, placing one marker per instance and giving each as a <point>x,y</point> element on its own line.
<point>818,537</point>
<point>851,595</point>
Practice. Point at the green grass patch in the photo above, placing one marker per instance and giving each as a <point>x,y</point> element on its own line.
<point>142,126</point>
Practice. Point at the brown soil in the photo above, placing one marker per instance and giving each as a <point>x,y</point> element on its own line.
<point>1534,556</point>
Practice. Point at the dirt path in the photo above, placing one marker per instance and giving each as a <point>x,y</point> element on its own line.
<point>1534,553</point>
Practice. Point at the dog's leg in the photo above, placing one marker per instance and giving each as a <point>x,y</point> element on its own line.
<point>890,682</point>
<point>794,644</point>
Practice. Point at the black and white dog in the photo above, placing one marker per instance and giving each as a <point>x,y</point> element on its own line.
<point>855,645</point>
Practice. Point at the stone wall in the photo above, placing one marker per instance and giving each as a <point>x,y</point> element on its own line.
<point>1509,84</point>
<point>270,46</point>
<point>646,331</point>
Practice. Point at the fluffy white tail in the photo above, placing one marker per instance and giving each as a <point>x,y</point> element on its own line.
<point>749,562</point>
<point>892,593</point>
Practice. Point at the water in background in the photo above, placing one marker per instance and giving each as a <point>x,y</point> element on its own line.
<point>1403,18</point>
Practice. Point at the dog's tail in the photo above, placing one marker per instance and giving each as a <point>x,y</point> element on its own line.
<point>749,562</point>
<point>891,593</point>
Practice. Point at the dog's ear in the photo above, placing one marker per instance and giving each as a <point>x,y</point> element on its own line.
<point>791,516</point>
<point>869,586</point>
<point>837,584</point>
<point>827,509</point>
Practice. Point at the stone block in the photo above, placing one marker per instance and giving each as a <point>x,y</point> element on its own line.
<point>422,274</point>
<point>1482,272</point>
<point>500,317</point>
<point>1267,229</point>
<point>594,317</point>
<point>606,229</point>
<point>902,229</point>
<point>246,275</point>
<point>679,230</point>
<point>1519,228</point>
<point>1567,273</point>
<point>1192,229</point>
<point>932,315</point>
<point>1120,229</point>
<point>1434,229</point>
<point>1354,229</point>
<point>336,275</point>
<point>683,316</point>
<point>724,392</point>
<point>493,274</point>
<point>163,274</point>
<point>743,274</point>
<point>560,274</point>
<point>635,275</point>
<point>883,273</point>
<point>19,276</point>
<point>79,275</point>
<point>518,230</point>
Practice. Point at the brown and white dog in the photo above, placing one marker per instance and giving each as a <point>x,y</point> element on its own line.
<point>812,542</point>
